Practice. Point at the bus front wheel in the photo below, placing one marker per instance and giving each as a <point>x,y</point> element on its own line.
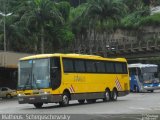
<point>38,105</point>
<point>152,91</point>
<point>65,100</point>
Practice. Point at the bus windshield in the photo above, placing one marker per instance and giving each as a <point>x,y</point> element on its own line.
<point>149,74</point>
<point>149,69</point>
<point>34,74</point>
<point>145,74</point>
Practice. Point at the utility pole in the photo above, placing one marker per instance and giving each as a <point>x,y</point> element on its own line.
<point>4,21</point>
<point>4,24</point>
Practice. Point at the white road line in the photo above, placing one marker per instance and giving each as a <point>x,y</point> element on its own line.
<point>140,108</point>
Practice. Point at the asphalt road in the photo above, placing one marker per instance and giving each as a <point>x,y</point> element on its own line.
<point>134,104</point>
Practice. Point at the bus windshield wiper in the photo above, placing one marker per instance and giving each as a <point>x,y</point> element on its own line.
<point>34,82</point>
<point>26,83</point>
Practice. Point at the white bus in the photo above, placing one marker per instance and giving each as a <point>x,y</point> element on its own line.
<point>143,77</point>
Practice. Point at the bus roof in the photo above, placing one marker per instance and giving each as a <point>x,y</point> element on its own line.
<point>140,65</point>
<point>73,55</point>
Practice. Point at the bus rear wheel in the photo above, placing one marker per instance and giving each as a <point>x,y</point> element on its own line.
<point>65,100</point>
<point>81,101</point>
<point>38,105</point>
<point>114,95</point>
<point>107,95</point>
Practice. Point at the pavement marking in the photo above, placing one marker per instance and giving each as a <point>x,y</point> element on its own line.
<point>137,118</point>
<point>156,108</point>
<point>140,108</point>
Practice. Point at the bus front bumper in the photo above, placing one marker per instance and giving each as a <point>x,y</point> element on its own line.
<point>123,93</point>
<point>39,99</point>
<point>151,87</point>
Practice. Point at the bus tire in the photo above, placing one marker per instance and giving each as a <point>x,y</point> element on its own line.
<point>65,100</point>
<point>151,91</point>
<point>107,95</point>
<point>114,95</point>
<point>81,101</point>
<point>38,105</point>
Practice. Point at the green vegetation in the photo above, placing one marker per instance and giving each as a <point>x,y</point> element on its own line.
<point>46,26</point>
<point>137,11</point>
<point>153,20</point>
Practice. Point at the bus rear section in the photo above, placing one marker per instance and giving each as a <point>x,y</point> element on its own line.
<point>144,77</point>
<point>59,78</point>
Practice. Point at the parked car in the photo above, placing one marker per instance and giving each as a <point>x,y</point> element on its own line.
<point>6,92</point>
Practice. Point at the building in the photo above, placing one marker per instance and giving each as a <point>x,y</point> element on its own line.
<point>9,68</point>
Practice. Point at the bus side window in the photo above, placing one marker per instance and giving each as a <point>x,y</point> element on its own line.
<point>118,68</point>
<point>68,65</point>
<point>110,67</point>
<point>79,66</point>
<point>125,68</point>
<point>100,65</point>
<point>90,66</point>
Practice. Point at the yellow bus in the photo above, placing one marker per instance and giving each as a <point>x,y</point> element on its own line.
<point>59,78</point>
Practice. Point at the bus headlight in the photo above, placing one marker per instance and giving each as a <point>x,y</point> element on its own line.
<point>145,86</point>
<point>147,81</point>
<point>46,93</point>
<point>20,94</point>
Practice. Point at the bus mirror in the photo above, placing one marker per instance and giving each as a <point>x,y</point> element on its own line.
<point>54,69</point>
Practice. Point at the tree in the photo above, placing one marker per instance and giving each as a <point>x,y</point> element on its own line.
<point>79,27</point>
<point>103,14</point>
<point>40,14</point>
<point>133,17</point>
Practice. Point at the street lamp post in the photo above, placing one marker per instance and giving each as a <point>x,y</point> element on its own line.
<point>4,28</point>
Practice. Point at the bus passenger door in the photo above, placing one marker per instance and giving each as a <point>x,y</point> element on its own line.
<point>55,72</point>
<point>135,83</point>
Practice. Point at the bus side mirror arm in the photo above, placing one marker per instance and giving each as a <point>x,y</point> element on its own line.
<point>54,67</point>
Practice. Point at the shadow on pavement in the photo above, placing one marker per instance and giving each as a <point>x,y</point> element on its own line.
<point>76,104</point>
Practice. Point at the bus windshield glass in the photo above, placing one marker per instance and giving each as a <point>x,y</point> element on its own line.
<point>149,69</point>
<point>149,74</point>
<point>34,74</point>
